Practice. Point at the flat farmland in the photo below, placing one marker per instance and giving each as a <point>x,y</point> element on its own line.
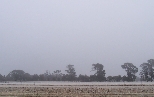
<point>77,89</point>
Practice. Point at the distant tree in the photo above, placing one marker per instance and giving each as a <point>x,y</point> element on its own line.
<point>117,78</point>
<point>124,78</point>
<point>83,78</point>
<point>2,78</point>
<point>99,72</point>
<point>57,75</point>
<point>42,77</point>
<point>71,74</point>
<point>47,76</point>
<point>114,78</point>
<point>131,71</point>
<point>35,77</point>
<point>93,78</point>
<point>147,72</point>
<point>109,78</point>
<point>64,77</point>
<point>16,75</point>
<point>137,79</point>
<point>27,77</point>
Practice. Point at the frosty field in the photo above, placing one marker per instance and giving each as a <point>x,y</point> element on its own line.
<point>77,89</point>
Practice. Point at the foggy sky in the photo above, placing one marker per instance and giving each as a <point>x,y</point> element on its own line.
<point>40,35</point>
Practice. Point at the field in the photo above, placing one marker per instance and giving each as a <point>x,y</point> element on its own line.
<point>77,89</point>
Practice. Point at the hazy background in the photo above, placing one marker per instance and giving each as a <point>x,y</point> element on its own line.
<point>40,35</point>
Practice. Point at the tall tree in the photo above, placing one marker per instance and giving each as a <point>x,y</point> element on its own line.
<point>131,71</point>
<point>71,74</point>
<point>99,72</point>
<point>147,72</point>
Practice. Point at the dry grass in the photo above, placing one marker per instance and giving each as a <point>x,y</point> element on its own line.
<point>76,91</point>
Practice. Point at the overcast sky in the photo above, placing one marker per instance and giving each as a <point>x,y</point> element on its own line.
<point>40,35</point>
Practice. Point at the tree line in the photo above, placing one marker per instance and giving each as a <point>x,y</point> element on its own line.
<point>146,74</point>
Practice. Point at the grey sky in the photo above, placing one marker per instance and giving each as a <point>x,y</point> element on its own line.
<point>40,35</point>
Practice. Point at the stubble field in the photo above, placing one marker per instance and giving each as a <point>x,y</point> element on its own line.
<point>77,89</point>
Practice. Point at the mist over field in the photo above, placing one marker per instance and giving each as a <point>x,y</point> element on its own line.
<point>41,35</point>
